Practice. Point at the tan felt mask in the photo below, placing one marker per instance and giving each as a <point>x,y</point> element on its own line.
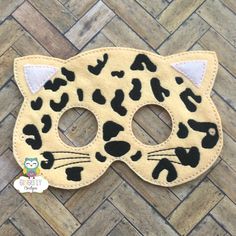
<point>113,83</point>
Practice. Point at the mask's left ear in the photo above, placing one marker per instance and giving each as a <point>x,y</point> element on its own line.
<point>32,72</point>
<point>199,67</point>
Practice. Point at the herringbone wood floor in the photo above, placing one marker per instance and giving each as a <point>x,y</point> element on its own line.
<point>119,203</point>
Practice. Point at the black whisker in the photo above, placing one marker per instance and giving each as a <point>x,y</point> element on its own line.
<point>161,155</point>
<point>153,159</point>
<point>78,157</point>
<point>164,150</point>
<point>71,163</point>
<point>85,154</point>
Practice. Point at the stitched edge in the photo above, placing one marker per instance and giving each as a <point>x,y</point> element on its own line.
<point>163,183</point>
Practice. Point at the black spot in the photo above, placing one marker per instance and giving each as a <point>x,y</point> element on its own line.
<point>136,156</point>
<point>212,136</point>
<point>98,97</point>
<point>100,157</point>
<point>117,101</point>
<point>49,160</point>
<point>37,104</point>
<point>119,74</point>
<point>165,164</point>
<point>60,105</point>
<point>70,75</point>
<point>141,59</point>
<point>74,173</point>
<point>159,92</point>
<point>179,80</point>
<point>191,158</point>
<point>96,70</point>
<point>55,85</point>
<point>135,93</point>
<point>47,121</point>
<point>185,98</point>
<point>80,94</point>
<point>111,129</point>
<point>183,131</point>
<point>35,142</point>
<point>117,148</point>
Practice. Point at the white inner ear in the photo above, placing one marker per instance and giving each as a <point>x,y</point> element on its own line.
<point>193,70</point>
<point>37,75</point>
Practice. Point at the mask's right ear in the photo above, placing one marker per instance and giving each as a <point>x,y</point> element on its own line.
<point>32,72</point>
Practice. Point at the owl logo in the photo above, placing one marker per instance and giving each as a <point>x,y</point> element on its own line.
<point>31,167</point>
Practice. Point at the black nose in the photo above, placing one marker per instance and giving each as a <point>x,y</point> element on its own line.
<point>117,148</point>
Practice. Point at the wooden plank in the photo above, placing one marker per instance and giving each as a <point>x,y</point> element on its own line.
<point>27,45</point>
<point>122,36</point>
<point>225,178</point>
<point>56,13</point>
<point>57,216</point>
<point>46,34</point>
<point>10,170</point>
<point>10,31</point>
<point>68,118</point>
<point>227,115</point>
<point>195,207</point>
<point>231,4</point>
<point>89,25</point>
<point>228,152</point>
<point>6,130</point>
<point>162,199</point>
<point>124,228</point>
<point>83,130</point>
<point>63,1</point>
<point>142,135</point>
<point>8,229</point>
<point>152,124</point>
<point>224,213</point>
<point>16,110</point>
<point>183,190</point>
<point>7,7</point>
<point>11,96</point>
<point>101,222</point>
<point>100,40</point>
<point>208,227</point>
<point>177,12</point>
<point>6,64</point>
<point>225,86</point>
<point>10,200</point>
<point>153,7</point>
<point>225,24</point>
<point>138,212</point>
<point>85,201</point>
<point>29,222</point>
<point>65,139</point>
<point>139,20</point>
<point>62,195</point>
<point>226,52</point>
<point>192,29</point>
<point>80,9</point>
<point>164,115</point>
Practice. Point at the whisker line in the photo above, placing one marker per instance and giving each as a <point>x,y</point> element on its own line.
<point>70,164</point>
<point>164,150</point>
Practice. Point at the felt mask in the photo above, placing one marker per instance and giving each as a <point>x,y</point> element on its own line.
<point>113,83</point>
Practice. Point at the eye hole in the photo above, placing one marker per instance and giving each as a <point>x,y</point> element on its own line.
<point>151,124</point>
<point>77,127</point>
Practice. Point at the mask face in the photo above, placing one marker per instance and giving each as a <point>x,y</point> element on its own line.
<point>113,83</point>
